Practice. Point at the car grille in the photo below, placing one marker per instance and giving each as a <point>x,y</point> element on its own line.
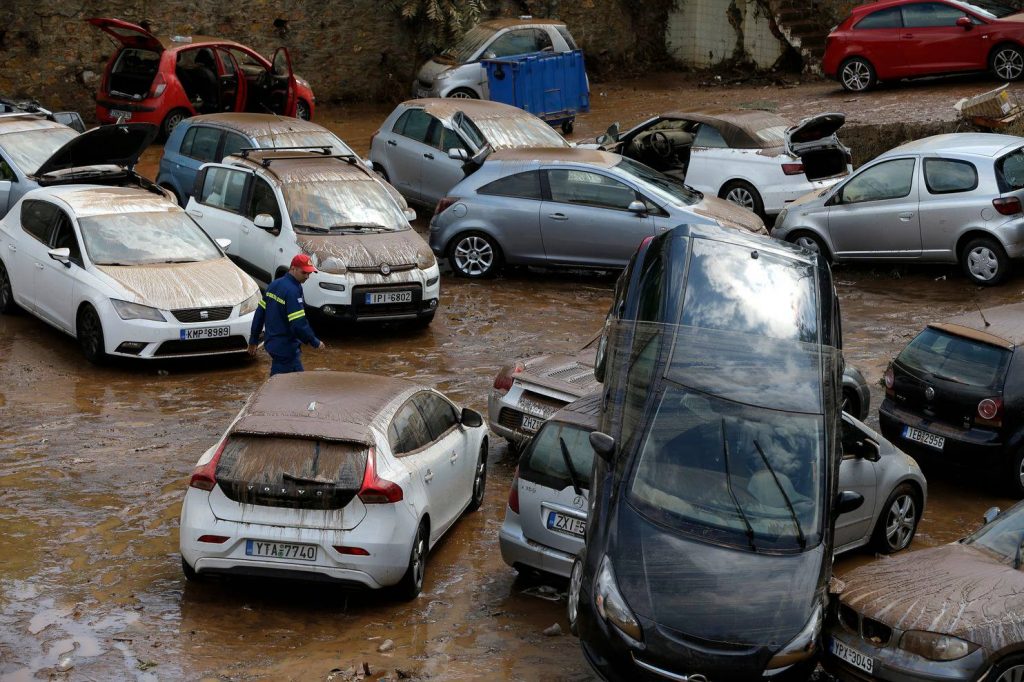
<point>877,633</point>
<point>363,309</point>
<point>574,374</point>
<point>376,268</point>
<point>510,419</point>
<point>196,314</point>
<point>849,618</point>
<point>199,346</point>
<point>426,85</point>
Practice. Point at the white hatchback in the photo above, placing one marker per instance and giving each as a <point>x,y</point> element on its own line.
<point>337,476</point>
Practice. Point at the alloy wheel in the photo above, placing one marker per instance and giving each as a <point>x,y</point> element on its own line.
<point>741,196</point>
<point>461,94</point>
<point>982,263</point>
<point>900,522</point>
<point>1014,674</point>
<point>478,479</point>
<point>1008,64</point>
<point>809,243</point>
<point>575,585</point>
<point>856,76</point>
<point>474,256</point>
<point>419,551</point>
<point>302,110</point>
<point>1020,473</point>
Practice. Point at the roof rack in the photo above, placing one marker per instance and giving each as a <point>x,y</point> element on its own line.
<point>324,152</point>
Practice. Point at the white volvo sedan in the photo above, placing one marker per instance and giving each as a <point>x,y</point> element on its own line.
<point>125,271</point>
<point>334,476</point>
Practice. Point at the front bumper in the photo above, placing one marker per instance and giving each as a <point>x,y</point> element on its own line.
<point>971,447</point>
<point>346,299</point>
<point>151,340</point>
<point>518,550</point>
<point>895,665</point>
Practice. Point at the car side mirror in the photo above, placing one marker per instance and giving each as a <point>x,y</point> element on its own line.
<point>848,501</point>
<point>603,444</point>
<point>62,256</point>
<point>870,450</point>
<point>637,207</point>
<point>471,418</point>
<point>264,221</point>
<point>458,154</point>
<point>602,140</point>
<point>965,23</point>
<point>410,213</point>
<point>72,119</point>
<point>991,515</point>
<point>223,243</point>
<point>489,55</point>
<point>836,198</point>
<point>613,132</point>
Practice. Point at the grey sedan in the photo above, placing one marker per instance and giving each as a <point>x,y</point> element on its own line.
<point>943,199</point>
<point>577,207</point>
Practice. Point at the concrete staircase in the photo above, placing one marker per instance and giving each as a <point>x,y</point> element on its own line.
<point>803,24</point>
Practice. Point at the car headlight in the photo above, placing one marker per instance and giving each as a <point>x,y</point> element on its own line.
<point>425,260</point>
<point>444,75</point>
<point>333,266</point>
<point>137,311</point>
<point>802,646</point>
<point>249,304</point>
<point>612,606</point>
<point>935,646</point>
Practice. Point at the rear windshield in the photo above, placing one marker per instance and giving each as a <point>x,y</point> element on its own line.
<point>342,207</point>
<point>144,238</point>
<point>291,472</point>
<point>544,463</point>
<point>29,149</point>
<point>1010,171</point>
<point>955,358</point>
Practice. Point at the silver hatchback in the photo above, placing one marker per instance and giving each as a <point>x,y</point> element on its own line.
<point>952,198</point>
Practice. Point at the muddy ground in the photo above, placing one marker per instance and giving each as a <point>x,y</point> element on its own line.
<point>94,463</point>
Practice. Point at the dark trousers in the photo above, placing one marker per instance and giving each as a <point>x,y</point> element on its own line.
<point>285,364</point>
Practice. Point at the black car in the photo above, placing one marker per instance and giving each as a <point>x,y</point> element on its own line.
<point>956,392</point>
<point>714,493</point>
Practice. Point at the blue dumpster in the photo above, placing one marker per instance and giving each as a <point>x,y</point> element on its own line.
<point>550,86</point>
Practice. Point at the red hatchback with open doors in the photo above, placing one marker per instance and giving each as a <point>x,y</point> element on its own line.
<point>162,80</point>
<point>894,39</point>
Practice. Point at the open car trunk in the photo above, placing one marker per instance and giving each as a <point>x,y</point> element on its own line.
<point>137,62</point>
<point>814,142</point>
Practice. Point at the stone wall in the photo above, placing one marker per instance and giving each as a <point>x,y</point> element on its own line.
<point>705,33</point>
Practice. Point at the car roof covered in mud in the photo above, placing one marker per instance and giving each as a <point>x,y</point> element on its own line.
<point>1001,326</point>
<point>979,144</point>
<point>498,24</point>
<point>285,166</point>
<point>445,108</point>
<point>585,412</point>
<point>92,200</point>
<point>257,125</point>
<point>326,405</point>
<point>19,123</point>
<point>591,157</point>
<point>737,126</point>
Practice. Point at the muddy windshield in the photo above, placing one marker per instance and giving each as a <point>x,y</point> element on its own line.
<point>342,207</point>
<point>660,185</point>
<point>545,464</point>
<point>304,138</point>
<point>470,44</point>
<point>29,149</point>
<point>956,358</point>
<point>509,132</point>
<point>1004,535</point>
<point>145,238</point>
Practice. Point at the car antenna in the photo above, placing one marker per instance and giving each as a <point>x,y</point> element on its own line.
<point>980,312</point>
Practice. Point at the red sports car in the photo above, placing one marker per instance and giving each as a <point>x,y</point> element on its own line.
<point>895,39</point>
<point>163,80</point>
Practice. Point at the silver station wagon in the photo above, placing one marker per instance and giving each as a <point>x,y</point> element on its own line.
<point>952,198</point>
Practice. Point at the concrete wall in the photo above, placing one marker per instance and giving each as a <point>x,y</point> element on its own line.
<point>705,33</point>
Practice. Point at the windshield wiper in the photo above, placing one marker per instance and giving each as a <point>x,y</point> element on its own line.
<point>315,228</point>
<point>728,485</point>
<point>789,505</point>
<point>358,227</point>
<point>573,476</point>
<point>182,260</point>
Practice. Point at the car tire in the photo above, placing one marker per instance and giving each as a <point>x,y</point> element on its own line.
<point>1008,670</point>
<point>411,584</point>
<point>984,261</point>
<point>423,322</point>
<point>172,119</point>
<point>857,75</point>
<point>463,93</point>
<point>811,242</point>
<point>7,304</point>
<point>1015,474</point>
<point>474,255</point>
<point>479,480</point>
<point>567,127</point>
<point>89,331</point>
<point>190,573</point>
<point>743,194</point>
<point>302,110</point>
<point>1007,62</point>
<point>572,600</point>
<point>897,523</point>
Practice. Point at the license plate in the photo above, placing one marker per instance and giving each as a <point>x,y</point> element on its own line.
<point>567,524</point>
<point>929,439</point>
<point>531,424</point>
<point>537,409</point>
<point>205,333</point>
<point>389,297</point>
<point>117,113</point>
<point>851,656</point>
<point>280,550</point>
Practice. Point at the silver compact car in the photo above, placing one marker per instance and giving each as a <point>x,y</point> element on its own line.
<point>566,207</point>
<point>952,198</point>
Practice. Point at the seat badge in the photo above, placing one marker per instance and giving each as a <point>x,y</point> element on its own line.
<point>929,392</point>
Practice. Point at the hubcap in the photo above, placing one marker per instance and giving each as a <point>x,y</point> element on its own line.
<point>474,256</point>
<point>1014,674</point>
<point>982,263</point>
<point>461,94</point>
<point>1009,64</point>
<point>575,583</point>
<point>856,75</point>
<point>302,111</point>
<point>899,524</point>
<point>418,552</point>
<point>481,469</point>
<point>741,196</point>
<point>808,243</point>
<point>1020,473</point>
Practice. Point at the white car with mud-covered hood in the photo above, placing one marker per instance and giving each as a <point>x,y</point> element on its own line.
<point>334,476</point>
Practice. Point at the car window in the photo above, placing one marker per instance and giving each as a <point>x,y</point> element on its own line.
<point>245,59</point>
<point>6,172</point>
<point>930,14</point>
<point>227,63</point>
<point>853,438</point>
<point>434,134</point>
<point>37,218</point>
<point>567,37</point>
<point>263,200</point>
<point>451,140</point>
<point>470,130</point>
<point>1010,171</point>
<point>955,358</point>
<point>945,176</point>
<point>233,144</point>
<point>522,185</point>
<point>414,124</point>
<point>886,18</point>
<point>590,189</point>
<point>223,188</point>
<point>64,237</point>
<point>521,41</point>
<point>201,143</point>
<point>544,464</point>
<point>708,136</point>
<point>1002,536</point>
<point>543,41</point>
<point>437,412</point>
<point>887,180</point>
<point>408,430</point>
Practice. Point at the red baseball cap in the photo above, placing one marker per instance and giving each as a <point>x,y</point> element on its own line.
<point>303,261</point>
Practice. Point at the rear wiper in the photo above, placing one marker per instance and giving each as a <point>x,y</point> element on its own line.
<point>789,505</point>
<point>728,484</point>
<point>572,470</point>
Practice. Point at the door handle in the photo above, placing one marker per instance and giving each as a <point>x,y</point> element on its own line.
<point>906,216</point>
<point>39,266</point>
<point>558,216</point>
<point>197,214</point>
<point>907,35</point>
<point>245,230</point>
<point>12,247</point>
<point>428,155</point>
<point>454,457</point>
<point>392,143</point>
<point>429,476</point>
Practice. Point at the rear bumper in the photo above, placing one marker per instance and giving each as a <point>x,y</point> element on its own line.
<point>140,113</point>
<point>973,447</point>
<point>518,550</point>
<point>495,405</point>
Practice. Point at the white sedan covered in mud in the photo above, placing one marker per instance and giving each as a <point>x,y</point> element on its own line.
<point>334,476</point>
<point>125,271</point>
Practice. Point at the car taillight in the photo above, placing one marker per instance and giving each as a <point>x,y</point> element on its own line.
<point>990,410</point>
<point>1007,205</point>
<point>792,168</point>
<point>513,492</point>
<point>890,380</point>
<point>214,539</point>
<point>506,375</point>
<point>204,476</point>
<point>159,85</point>
<point>377,490</point>
<point>443,204</point>
<point>354,551</point>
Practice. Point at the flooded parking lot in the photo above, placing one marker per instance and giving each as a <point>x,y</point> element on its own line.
<point>94,463</point>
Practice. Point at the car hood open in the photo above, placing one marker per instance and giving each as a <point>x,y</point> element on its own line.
<point>362,251</point>
<point>119,145</point>
<point>172,286</point>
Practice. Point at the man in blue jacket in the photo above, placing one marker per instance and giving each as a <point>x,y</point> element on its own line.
<point>282,315</point>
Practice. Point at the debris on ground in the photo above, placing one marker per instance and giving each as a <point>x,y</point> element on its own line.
<point>553,631</point>
<point>544,592</point>
<point>386,646</point>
